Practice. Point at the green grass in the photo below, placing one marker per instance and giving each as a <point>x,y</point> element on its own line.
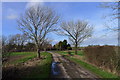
<point>26,56</point>
<point>72,52</point>
<point>97,71</point>
<point>23,59</point>
<point>19,53</point>
<point>42,69</point>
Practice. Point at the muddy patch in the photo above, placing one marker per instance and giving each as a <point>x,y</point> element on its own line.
<point>55,69</point>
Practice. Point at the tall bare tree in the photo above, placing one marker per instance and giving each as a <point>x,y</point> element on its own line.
<point>113,16</point>
<point>76,31</point>
<point>37,22</point>
<point>114,24</point>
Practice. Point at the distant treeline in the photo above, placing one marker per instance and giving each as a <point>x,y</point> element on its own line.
<point>62,45</point>
<point>20,42</point>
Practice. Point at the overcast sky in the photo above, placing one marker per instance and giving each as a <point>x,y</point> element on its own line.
<point>89,11</point>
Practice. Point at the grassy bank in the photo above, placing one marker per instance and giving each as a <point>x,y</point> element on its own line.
<point>99,72</point>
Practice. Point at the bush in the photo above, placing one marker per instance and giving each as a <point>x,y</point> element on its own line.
<point>69,48</point>
<point>102,56</point>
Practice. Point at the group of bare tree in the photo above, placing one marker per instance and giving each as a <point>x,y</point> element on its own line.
<point>19,43</point>
<point>38,21</point>
<point>13,40</point>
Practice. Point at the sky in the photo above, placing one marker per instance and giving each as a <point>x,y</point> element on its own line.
<point>89,11</point>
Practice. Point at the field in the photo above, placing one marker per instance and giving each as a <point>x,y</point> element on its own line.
<point>80,53</point>
<point>80,59</point>
<point>25,65</point>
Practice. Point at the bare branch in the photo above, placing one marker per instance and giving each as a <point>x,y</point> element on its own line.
<point>76,31</point>
<point>37,22</point>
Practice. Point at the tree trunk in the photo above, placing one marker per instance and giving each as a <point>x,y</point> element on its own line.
<point>75,48</point>
<point>38,51</point>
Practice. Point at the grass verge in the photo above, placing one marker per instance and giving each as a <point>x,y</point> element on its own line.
<point>97,71</point>
<point>19,53</point>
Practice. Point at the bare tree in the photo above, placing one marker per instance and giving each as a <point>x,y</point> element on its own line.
<point>37,22</point>
<point>19,39</point>
<point>76,31</point>
<point>113,16</point>
<point>113,24</point>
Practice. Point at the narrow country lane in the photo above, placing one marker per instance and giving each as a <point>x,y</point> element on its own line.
<point>70,69</point>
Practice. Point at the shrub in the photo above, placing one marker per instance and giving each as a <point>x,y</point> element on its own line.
<point>102,56</point>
